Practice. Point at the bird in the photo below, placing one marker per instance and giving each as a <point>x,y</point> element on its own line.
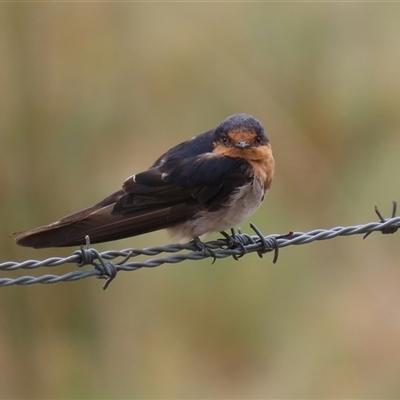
<point>209,183</point>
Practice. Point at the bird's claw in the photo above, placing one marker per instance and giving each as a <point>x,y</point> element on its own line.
<point>232,243</point>
<point>201,246</point>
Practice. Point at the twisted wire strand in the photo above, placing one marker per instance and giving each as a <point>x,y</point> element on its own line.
<point>104,268</point>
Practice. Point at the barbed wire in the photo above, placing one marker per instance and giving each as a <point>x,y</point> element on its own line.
<point>236,245</point>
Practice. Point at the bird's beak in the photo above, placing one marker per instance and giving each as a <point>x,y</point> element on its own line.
<point>243,144</point>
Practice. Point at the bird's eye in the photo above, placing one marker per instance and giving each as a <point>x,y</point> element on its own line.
<point>225,140</point>
<point>258,139</point>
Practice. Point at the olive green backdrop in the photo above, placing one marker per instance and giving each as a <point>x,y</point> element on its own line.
<point>94,92</point>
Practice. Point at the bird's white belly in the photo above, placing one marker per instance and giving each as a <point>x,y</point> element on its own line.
<point>241,206</point>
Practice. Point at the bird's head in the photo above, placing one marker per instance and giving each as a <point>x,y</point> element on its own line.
<point>240,135</point>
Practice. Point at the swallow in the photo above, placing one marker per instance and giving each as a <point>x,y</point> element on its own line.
<point>207,184</point>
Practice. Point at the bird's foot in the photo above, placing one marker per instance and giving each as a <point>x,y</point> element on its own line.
<point>232,243</point>
<point>201,246</point>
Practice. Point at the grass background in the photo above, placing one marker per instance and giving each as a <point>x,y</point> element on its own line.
<point>93,92</point>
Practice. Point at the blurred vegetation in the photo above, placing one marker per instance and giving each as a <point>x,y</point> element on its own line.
<point>93,92</point>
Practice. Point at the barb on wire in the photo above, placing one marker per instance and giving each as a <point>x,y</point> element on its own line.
<point>389,229</point>
<point>236,245</point>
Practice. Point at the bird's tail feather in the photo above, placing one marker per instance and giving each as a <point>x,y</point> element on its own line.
<point>102,225</point>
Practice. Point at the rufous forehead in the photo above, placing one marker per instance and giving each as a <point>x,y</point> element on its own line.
<point>239,135</point>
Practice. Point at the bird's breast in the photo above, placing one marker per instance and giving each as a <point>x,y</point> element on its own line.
<point>240,206</point>
<point>263,164</point>
<point>259,157</point>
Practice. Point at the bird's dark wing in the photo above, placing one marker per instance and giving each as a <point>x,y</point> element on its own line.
<point>158,198</point>
<point>205,181</point>
<point>200,144</point>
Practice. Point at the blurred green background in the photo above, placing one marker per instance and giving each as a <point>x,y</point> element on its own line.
<point>94,92</point>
